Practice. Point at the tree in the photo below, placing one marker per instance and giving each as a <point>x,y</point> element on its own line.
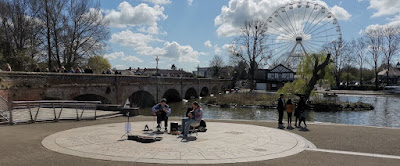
<point>360,47</point>
<point>250,47</point>
<point>240,70</point>
<point>216,64</point>
<point>312,69</point>
<point>85,32</point>
<point>337,49</point>
<point>348,59</point>
<point>374,41</point>
<point>390,45</point>
<point>98,64</point>
<point>18,34</point>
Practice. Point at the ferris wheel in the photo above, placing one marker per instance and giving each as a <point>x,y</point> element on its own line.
<point>300,28</point>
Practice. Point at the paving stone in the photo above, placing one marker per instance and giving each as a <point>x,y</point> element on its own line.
<point>222,143</point>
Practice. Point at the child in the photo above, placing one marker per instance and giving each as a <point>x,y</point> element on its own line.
<point>289,109</point>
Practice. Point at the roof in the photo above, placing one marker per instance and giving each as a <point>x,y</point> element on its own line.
<point>393,72</point>
<point>281,69</point>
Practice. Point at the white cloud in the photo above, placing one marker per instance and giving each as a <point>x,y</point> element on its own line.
<point>233,16</point>
<point>183,53</point>
<point>114,55</point>
<point>190,2</point>
<point>132,59</point>
<point>384,7</point>
<point>208,44</point>
<point>120,67</point>
<point>340,13</point>
<point>394,22</point>
<point>217,50</point>
<point>140,15</point>
<point>142,44</point>
<point>139,41</point>
<point>158,2</point>
<point>123,57</point>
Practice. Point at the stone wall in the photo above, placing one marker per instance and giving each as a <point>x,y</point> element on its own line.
<point>115,88</point>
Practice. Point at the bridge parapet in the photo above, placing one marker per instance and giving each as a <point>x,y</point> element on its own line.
<point>115,88</point>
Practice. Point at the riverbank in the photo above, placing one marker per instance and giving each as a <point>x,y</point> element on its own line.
<point>351,92</point>
<point>338,144</point>
<point>268,101</point>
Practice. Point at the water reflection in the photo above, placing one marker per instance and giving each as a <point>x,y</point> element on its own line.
<point>386,112</point>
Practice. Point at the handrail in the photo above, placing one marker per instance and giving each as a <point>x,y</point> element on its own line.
<point>53,104</point>
<point>5,108</point>
<point>56,101</point>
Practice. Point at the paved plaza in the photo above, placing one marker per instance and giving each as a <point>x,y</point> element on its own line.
<point>222,143</point>
<point>336,144</point>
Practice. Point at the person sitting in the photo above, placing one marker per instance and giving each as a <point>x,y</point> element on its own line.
<point>194,116</point>
<point>162,111</point>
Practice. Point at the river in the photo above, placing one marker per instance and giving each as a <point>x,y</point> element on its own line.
<point>385,114</point>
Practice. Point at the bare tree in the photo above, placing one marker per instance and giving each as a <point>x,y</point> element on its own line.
<point>360,47</point>
<point>19,33</point>
<point>348,59</point>
<point>86,31</point>
<point>250,47</point>
<point>374,41</point>
<point>390,46</point>
<point>216,64</point>
<point>337,49</point>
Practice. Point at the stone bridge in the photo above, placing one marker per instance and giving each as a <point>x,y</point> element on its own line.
<point>109,89</point>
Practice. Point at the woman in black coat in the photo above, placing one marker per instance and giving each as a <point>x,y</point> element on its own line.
<point>300,112</point>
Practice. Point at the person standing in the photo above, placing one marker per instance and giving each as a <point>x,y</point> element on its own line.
<point>289,110</point>
<point>281,108</point>
<point>301,111</point>
<point>162,111</point>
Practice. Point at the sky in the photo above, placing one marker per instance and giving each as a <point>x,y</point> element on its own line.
<point>188,33</point>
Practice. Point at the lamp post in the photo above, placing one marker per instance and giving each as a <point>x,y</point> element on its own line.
<point>157,59</point>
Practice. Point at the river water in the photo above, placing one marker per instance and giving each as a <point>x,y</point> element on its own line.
<point>385,114</point>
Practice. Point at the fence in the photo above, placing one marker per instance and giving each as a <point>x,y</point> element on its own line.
<point>4,105</point>
<point>29,111</point>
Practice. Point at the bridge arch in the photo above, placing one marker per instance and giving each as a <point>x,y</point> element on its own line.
<point>215,90</point>
<point>204,92</point>
<point>172,95</point>
<point>92,97</point>
<point>142,99</point>
<point>223,88</point>
<point>191,93</point>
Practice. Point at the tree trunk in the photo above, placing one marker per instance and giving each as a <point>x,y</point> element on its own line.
<point>314,79</point>
<point>387,73</point>
<point>361,74</point>
<point>376,80</point>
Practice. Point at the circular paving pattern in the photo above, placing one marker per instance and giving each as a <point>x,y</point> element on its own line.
<point>222,143</point>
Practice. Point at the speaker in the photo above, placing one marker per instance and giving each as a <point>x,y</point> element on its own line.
<point>174,126</point>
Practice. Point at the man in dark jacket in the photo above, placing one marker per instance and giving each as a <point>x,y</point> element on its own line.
<point>162,111</point>
<point>281,108</point>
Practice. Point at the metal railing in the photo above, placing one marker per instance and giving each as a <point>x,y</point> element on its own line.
<point>4,105</point>
<point>54,109</point>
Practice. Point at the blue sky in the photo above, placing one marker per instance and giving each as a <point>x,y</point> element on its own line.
<point>178,31</point>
